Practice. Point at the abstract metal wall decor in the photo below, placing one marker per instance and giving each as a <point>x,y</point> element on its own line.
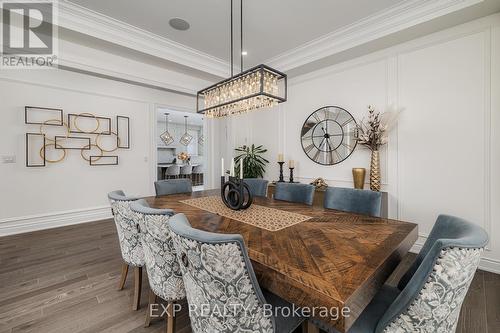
<point>96,137</point>
<point>37,116</point>
<point>123,132</point>
<point>29,153</point>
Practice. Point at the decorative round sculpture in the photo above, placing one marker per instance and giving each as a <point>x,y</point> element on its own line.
<point>235,193</point>
<point>328,135</point>
<point>43,149</point>
<point>88,115</point>
<point>101,154</point>
<point>107,150</point>
<point>51,122</point>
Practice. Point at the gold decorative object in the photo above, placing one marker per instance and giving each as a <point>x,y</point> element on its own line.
<point>62,130</point>
<point>43,150</point>
<point>107,150</point>
<point>319,183</point>
<point>375,171</point>
<point>88,158</point>
<point>183,156</point>
<point>51,122</point>
<point>358,176</point>
<point>87,115</point>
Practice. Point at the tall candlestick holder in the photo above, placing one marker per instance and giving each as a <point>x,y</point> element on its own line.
<point>235,193</point>
<point>281,180</point>
<point>291,175</point>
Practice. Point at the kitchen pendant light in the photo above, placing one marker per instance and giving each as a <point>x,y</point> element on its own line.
<point>186,138</point>
<point>165,136</point>
<point>255,88</point>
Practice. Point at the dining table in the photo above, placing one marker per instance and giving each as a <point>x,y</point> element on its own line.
<point>331,260</point>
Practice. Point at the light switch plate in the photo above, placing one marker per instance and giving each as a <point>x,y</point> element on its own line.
<point>8,159</point>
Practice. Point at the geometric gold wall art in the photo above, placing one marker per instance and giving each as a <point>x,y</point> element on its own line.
<point>92,135</point>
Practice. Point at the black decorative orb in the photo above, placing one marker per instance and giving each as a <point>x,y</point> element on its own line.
<point>328,135</point>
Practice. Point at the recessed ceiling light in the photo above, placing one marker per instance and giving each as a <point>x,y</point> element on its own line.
<point>244,53</point>
<point>179,24</point>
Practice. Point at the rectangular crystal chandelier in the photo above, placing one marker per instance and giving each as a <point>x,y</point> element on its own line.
<point>255,88</point>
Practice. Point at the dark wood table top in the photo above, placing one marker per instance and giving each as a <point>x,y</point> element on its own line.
<point>336,259</point>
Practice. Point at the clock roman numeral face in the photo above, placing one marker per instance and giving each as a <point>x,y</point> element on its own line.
<point>327,135</point>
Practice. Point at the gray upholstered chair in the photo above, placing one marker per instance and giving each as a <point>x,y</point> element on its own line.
<point>217,272</point>
<point>429,296</point>
<point>173,186</point>
<point>353,200</point>
<point>173,171</point>
<point>162,266</point>
<point>130,245</point>
<point>258,186</point>
<point>301,193</point>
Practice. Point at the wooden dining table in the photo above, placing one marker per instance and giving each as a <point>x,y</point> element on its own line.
<point>333,260</point>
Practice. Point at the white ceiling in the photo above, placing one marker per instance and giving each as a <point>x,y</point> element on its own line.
<point>271,27</point>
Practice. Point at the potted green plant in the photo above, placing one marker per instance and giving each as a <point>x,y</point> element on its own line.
<point>254,163</point>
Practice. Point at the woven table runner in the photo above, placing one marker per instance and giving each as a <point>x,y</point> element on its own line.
<point>262,217</point>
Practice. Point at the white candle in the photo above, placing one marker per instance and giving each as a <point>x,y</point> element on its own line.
<point>291,164</point>
<point>231,172</point>
<point>222,168</point>
<point>280,158</point>
<point>241,167</point>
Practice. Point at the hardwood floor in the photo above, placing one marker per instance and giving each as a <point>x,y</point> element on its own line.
<point>65,280</point>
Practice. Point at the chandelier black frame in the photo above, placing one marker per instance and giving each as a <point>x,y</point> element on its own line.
<point>261,69</point>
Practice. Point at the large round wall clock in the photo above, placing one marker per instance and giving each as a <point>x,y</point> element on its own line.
<point>328,135</point>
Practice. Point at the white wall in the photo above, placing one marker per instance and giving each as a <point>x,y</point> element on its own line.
<point>72,191</point>
<point>444,155</point>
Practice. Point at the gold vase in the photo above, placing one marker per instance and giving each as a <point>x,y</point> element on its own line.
<point>375,171</point>
<point>358,176</point>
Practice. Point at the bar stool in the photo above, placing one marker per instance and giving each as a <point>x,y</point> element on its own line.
<point>186,171</point>
<point>198,175</point>
<point>173,171</point>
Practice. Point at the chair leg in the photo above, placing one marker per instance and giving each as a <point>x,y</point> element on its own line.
<point>123,276</point>
<point>152,300</point>
<point>137,288</point>
<point>170,317</point>
<point>308,327</point>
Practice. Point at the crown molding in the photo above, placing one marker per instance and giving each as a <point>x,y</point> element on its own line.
<point>83,20</point>
<point>402,16</point>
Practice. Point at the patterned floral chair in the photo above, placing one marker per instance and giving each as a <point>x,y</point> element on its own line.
<point>222,291</point>
<point>130,244</point>
<point>162,266</point>
<point>430,294</point>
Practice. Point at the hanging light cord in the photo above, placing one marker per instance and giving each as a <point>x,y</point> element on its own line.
<point>232,38</point>
<point>241,34</point>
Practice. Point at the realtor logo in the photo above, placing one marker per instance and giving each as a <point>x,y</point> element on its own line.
<point>29,34</point>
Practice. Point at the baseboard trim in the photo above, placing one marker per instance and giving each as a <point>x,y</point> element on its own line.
<point>18,225</point>
<point>486,264</point>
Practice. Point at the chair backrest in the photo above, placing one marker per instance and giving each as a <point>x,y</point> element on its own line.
<point>186,169</point>
<point>301,193</point>
<point>127,228</point>
<point>258,186</point>
<point>198,169</point>
<point>164,274</point>
<point>217,272</point>
<point>434,288</point>
<point>353,200</point>
<point>173,170</point>
<point>173,186</point>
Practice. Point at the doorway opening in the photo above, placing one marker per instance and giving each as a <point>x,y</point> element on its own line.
<point>180,146</point>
